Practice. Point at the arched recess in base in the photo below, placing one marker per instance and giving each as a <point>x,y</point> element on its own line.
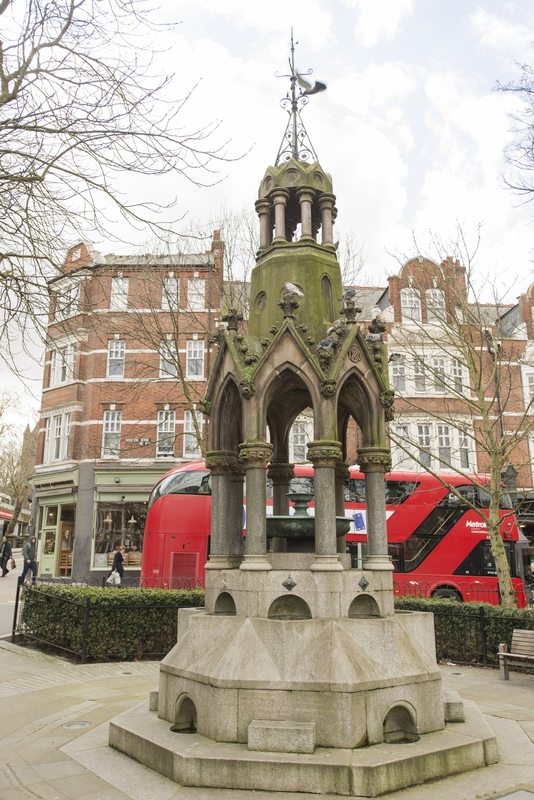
<point>289,606</point>
<point>400,725</point>
<point>186,715</point>
<point>225,605</point>
<point>363,606</point>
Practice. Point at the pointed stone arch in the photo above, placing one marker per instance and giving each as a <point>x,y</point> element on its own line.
<point>357,397</point>
<point>227,418</point>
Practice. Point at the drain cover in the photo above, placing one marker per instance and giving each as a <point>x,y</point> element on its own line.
<point>71,725</point>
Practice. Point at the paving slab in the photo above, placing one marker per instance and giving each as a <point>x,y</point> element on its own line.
<point>42,760</point>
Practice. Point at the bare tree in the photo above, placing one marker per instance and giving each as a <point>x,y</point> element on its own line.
<point>520,153</point>
<point>452,363</point>
<point>17,464</point>
<point>80,103</point>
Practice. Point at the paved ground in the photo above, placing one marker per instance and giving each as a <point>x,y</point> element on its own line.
<point>42,759</point>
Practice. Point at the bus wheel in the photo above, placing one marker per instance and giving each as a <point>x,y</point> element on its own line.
<point>446,592</point>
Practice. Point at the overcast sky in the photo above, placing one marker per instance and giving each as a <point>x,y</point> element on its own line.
<point>410,126</point>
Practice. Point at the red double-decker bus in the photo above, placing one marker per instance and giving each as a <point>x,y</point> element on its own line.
<point>438,543</point>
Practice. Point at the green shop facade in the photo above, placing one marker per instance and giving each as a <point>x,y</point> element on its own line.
<point>80,516</point>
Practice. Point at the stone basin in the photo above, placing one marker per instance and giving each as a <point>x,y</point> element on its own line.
<point>297,527</point>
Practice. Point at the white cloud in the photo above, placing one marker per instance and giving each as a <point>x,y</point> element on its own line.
<point>461,182</point>
<point>510,38</point>
<point>311,19</point>
<point>379,19</point>
<point>375,95</point>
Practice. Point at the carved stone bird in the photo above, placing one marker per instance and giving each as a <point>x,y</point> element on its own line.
<point>324,344</point>
<point>291,288</point>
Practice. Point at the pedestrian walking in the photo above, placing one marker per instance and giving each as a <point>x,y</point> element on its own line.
<point>28,554</point>
<point>5,555</point>
<point>118,558</point>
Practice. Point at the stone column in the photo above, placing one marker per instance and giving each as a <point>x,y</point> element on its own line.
<point>326,204</point>
<point>324,455</point>
<point>256,456</point>
<point>342,474</point>
<point>235,531</point>
<point>374,462</point>
<point>280,198</point>
<point>263,209</point>
<point>219,462</point>
<point>305,197</point>
<point>281,475</point>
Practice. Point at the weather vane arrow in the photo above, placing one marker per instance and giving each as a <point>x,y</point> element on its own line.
<point>296,142</point>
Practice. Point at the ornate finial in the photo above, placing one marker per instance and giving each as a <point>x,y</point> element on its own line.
<point>296,142</point>
<point>232,318</point>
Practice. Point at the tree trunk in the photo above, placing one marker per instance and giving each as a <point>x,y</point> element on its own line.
<point>507,593</point>
<point>13,521</point>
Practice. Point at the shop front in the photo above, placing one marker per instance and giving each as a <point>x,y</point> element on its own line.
<point>119,524</point>
<point>56,537</point>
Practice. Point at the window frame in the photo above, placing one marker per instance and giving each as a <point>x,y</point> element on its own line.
<point>439,368</point>
<point>62,364</point>
<point>112,419</point>
<point>119,290</point>
<point>114,344</point>
<point>166,432</point>
<point>196,294</point>
<point>432,307</point>
<point>457,375</point>
<point>57,434</point>
<point>191,346</point>
<point>410,304</point>
<point>189,434</point>
<point>168,361</point>
<point>398,374</point>
<point>419,375</point>
<point>67,302</point>
<point>170,299</point>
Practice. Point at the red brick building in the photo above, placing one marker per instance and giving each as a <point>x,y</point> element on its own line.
<point>127,358</point>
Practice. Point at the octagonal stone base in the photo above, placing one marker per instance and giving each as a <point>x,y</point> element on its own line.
<point>193,760</point>
<point>344,675</point>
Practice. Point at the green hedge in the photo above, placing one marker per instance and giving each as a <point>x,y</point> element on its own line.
<point>460,626</point>
<point>123,624</point>
<point>132,623</point>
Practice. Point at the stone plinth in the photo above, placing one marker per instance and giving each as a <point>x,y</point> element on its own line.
<point>328,595</point>
<point>192,760</point>
<point>345,675</point>
<point>274,736</point>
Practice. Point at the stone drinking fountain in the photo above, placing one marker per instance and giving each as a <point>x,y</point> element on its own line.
<point>298,675</point>
<point>298,529</point>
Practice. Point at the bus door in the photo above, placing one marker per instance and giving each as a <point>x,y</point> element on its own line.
<point>185,558</point>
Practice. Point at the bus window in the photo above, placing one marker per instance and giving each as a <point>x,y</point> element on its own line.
<point>187,482</point>
<point>480,561</point>
<point>399,491</point>
<point>415,550</point>
<point>467,496</point>
<point>410,553</point>
<point>477,496</point>
<point>302,484</point>
<point>355,490</point>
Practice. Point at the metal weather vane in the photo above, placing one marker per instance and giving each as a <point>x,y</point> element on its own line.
<point>296,142</point>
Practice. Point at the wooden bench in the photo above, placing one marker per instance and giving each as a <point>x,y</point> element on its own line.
<point>522,648</point>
